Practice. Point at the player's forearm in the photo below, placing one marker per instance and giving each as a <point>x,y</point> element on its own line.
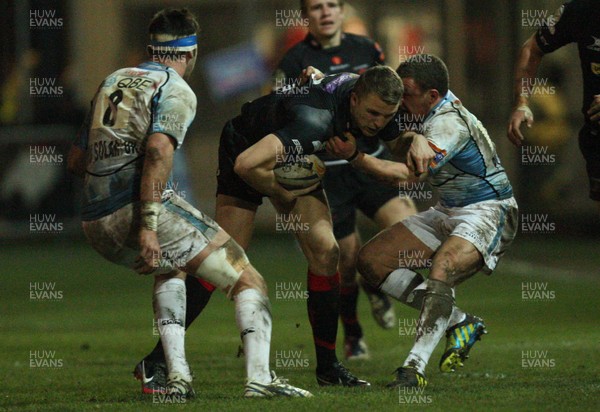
<point>399,147</point>
<point>525,70</point>
<point>158,162</point>
<point>384,170</point>
<point>255,166</point>
<point>263,180</point>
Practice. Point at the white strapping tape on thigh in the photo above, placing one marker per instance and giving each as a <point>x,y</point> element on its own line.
<point>217,270</point>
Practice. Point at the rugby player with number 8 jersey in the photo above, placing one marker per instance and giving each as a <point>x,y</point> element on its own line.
<point>138,118</point>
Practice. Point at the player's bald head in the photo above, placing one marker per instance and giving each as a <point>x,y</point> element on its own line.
<point>428,72</point>
<point>383,81</point>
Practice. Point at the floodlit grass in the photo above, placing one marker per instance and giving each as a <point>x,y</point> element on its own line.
<point>75,350</point>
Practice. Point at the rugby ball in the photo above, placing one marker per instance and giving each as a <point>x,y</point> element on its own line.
<point>302,172</point>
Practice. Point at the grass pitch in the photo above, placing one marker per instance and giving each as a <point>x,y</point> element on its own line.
<point>74,326</point>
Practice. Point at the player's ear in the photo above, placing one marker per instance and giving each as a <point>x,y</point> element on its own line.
<point>434,94</point>
<point>190,55</point>
<point>353,98</point>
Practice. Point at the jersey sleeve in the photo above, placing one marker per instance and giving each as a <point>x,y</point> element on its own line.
<point>174,108</point>
<point>559,29</point>
<point>306,130</point>
<point>447,135</point>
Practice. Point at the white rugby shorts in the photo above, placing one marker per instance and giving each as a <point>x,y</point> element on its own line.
<point>183,232</point>
<point>490,226</point>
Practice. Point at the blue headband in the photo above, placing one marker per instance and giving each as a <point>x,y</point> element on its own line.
<point>183,42</point>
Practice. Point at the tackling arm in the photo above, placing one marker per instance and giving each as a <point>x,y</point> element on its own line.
<point>413,149</point>
<point>158,162</point>
<point>526,68</point>
<point>388,171</point>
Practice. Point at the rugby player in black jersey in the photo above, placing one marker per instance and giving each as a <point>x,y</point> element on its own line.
<point>282,125</point>
<point>327,48</point>
<point>574,22</point>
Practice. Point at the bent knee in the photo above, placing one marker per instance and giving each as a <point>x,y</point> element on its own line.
<point>452,266</point>
<point>365,264</point>
<point>250,279</point>
<point>324,256</point>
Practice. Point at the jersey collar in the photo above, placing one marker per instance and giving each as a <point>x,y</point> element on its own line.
<point>149,65</point>
<point>314,43</point>
<point>442,102</point>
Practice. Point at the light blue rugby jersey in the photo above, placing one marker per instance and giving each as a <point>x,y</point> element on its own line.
<point>131,104</point>
<point>466,168</point>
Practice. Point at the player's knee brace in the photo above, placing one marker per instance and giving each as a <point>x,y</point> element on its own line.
<point>224,266</point>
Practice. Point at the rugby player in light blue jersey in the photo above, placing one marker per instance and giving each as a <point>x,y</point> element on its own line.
<point>466,232</point>
<point>139,117</point>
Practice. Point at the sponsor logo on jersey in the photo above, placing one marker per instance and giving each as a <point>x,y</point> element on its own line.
<point>109,81</point>
<point>342,78</point>
<point>439,155</point>
<point>137,73</point>
<point>106,149</point>
<point>595,44</point>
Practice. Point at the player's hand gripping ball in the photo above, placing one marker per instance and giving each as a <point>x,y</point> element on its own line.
<point>303,172</point>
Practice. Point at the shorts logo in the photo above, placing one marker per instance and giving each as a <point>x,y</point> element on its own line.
<point>595,45</point>
<point>596,68</point>
<point>298,146</point>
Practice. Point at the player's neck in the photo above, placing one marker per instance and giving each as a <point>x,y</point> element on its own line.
<point>177,66</point>
<point>329,42</point>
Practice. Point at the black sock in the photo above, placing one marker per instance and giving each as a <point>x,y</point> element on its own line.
<point>323,312</point>
<point>348,302</point>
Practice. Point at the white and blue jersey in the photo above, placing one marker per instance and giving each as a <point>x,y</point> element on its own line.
<point>131,104</point>
<point>466,168</point>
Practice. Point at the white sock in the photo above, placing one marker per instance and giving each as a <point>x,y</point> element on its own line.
<point>456,316</point>
<point>432,324</point>
<point>253,317</point>
<point>398,285</point>
<point>169,312</point>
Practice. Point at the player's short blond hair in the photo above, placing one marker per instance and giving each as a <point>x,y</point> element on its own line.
<point>383,81</point>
